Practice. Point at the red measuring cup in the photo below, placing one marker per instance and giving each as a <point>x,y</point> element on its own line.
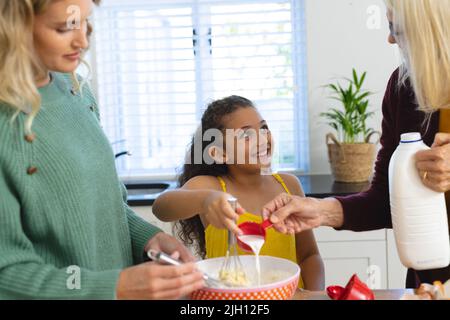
<point>355,290</point>
<point>253,229</point>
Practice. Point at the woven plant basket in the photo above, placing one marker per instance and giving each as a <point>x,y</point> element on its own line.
<point>351,163</point>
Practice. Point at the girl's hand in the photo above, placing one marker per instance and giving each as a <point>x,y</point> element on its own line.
<point>219,213</point>
<point>434,164</point>
<point>151,281</point>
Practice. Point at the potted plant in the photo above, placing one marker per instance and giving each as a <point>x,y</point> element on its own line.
<point>350,153</point>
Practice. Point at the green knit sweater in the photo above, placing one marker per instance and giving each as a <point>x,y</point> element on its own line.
<point>66,216</point>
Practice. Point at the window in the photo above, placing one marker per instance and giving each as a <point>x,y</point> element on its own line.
<point>159,63</point>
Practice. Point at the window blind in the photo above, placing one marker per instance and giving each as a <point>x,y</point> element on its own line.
<point>159,63</point>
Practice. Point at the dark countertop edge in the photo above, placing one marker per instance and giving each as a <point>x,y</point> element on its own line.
<point>146,201</point>
<point>141,202</point>
<point>149,202</point>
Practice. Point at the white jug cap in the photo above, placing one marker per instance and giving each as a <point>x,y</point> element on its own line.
<point>411,137</point>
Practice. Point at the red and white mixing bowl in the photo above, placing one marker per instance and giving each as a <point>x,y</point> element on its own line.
<point>284,272</point>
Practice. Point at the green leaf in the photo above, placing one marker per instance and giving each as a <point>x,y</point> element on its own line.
<point>355,77</point>
<point>350,121</point>
<point>363,77</point>
<point>362,96</point>
<point>332,86</point>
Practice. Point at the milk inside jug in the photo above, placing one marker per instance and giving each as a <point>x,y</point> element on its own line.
<point>419,214</point>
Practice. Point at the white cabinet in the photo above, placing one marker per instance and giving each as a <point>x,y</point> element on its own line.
<point>371,255</point>
<point>396,271</point>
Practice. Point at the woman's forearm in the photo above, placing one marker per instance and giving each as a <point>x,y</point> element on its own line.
<point>313,273</point>
<point>332,213</point>
<point>179,204</point>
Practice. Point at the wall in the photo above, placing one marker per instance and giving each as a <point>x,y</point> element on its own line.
<point>338,39</point>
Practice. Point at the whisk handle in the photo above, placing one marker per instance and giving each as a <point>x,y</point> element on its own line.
<point>233,202</point>
<point>231,237</point>
<point>162,257</point>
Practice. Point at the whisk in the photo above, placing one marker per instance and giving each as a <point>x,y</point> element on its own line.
<point>232,272</point>
<point>163,258</point>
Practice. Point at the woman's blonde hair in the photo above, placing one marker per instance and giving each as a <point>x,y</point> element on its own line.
<point>422,30</point>
<point>20,66</point>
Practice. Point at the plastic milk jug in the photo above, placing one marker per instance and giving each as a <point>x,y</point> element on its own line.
<point>419,214</point>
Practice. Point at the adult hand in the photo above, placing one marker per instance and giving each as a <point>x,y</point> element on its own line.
<point>294,214</point>
<point>434,164</point>
<point>165,243</point>
<point>154,281</point>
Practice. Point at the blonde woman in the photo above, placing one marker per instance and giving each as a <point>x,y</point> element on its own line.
<point>417,100</point>
<point>66,231</point>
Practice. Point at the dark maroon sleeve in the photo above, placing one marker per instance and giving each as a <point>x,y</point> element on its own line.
<point>370,210</point>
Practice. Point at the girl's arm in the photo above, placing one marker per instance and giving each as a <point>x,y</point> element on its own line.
<point>310,261</point>
<point>186,202</point>
<point>308,256</point>
<point>199,196</point>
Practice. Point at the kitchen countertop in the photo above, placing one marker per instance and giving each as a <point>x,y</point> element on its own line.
<point>379,295</point>
<point>317,186</point>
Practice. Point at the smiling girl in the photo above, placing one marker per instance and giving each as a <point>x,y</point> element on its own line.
<point>225,169</point>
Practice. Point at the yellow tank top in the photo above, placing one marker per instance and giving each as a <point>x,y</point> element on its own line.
<point>276,245</point>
